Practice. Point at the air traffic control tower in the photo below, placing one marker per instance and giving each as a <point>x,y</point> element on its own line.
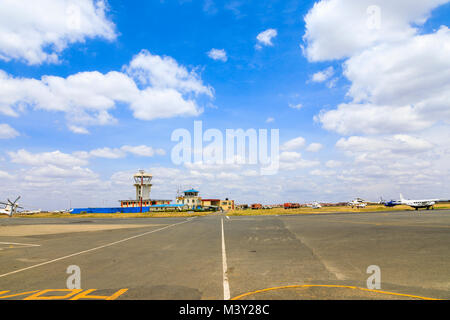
<point>143,185</point>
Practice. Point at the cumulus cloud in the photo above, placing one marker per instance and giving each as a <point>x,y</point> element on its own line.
<point>57,158</point>
<point>143,151</point>
<point>265,38</point>
<point>400,78</point>
<point>164,72</point>
<point>333,164</point>
<point>218,54</point>
<point>40,172</point>
<point>296,106</point>
<point>290,160</point>
<point>372,119</point>
<point>79,158</point>
<point>108,153</point>
<point>337,29</point>
<point>152,86</point>
<point>7,132</point>
<point>314,147</point>
<point>116,153</point>
<point>51,171</point>
<point>323,75</point>
<point>5,175</point>
<point>293,144</point>
<point>400,144</point>
<point>323,173</point>
<point>38,31</point>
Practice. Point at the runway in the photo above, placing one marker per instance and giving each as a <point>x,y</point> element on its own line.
<point>218,257</point>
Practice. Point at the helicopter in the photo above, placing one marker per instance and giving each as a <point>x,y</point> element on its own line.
<point>10,207</point>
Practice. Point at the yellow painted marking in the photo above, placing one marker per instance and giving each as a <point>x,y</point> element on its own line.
<point>330,286</point>
<point>38,295</point>
<point>84,295</point>
<point>17,294</point>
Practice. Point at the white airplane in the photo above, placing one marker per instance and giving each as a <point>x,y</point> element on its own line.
<point>10,207</point>
<point>31,212</point>
<point>358,203</point>
<point>417,204</point>
<point>314,205</point>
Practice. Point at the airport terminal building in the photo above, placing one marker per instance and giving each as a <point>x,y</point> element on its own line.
<point>190,200</point>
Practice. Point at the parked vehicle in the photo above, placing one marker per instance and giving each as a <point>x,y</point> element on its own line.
<point>256,206</point>
<point>291,205</point>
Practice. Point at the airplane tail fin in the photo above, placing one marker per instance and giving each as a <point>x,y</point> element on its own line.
<point>401,197</point>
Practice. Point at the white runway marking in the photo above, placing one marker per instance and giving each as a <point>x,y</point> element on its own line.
<point>226,285</point>
<point>228,217</point>
<point>21,244</point>
<point>90,250</point>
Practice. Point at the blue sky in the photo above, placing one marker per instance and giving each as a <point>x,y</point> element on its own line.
<point>373,140</point>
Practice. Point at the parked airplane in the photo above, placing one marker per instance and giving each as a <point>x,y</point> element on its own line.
<point>391,203</point>
<point>417,204</point>
<point>31,212</point>
<point>10,207</point>
<point>358,203</point>
<point>314,205</point>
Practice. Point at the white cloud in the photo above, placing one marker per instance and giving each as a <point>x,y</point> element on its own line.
<point>400,79</point>
<point>143,151</point>
<point>165,73</point>
<point>290,161</point>
<point>296,106</point>
<point>333,164</point>
<point>323,173</point>
<point>337,29</point>
<point>78,130</point>
<point>116,153</point>
<point>293,144</point>
<point>5,175</point>
<point>46,158</point>
<point>7,132</point>
<point>51,171</point>
<point>163,103</point>
<point>323,75</point>
<point>107,153</point>
<point>410,80</point>
<point>79,158</point>
<point>290,156</point>
<point>397,107</point>
<point>87,98</point>
<point>397,144</point>
<point>314,147</point>
<point>372,119</point>
<point>265,38</point>
<point>38,31</point>
<point>218,54</point>
<point>270,120</point>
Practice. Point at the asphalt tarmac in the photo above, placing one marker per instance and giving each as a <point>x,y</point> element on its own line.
<point>216,257</point>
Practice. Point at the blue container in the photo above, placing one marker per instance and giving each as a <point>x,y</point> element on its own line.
<point>110,210</point>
